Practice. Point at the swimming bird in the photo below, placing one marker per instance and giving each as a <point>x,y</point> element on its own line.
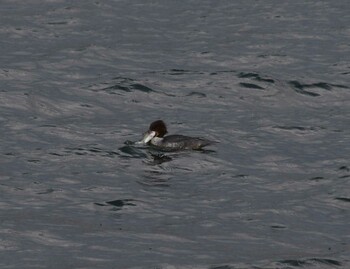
<point>155,136</point>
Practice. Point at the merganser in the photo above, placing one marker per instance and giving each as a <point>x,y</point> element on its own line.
<point>155,137</point>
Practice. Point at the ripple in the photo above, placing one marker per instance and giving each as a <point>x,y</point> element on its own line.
<point>310,262</point>
<point>301,87</point>
<point>293,128</point>
<point>344,168</point>
<point>90,149</point>
<point>298,129</point>
<point>317,178</point>
<point>251,86</point>
<point>131,152</point>
<point>256,77</point>
<point>178,72</point>
<point>122,85</point>
<point>255,81</point>
<point>278,226</point>
<point>344,199</point>
<point>118,204</point>
<point>222,267</point>
<point>326,261</point>
<point>197,94</point>
<point>290,263</point>
<point>295,263</point>
<point>141,88</point>
<point>47,191</point>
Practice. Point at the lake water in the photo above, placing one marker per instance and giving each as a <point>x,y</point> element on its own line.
<point>269,80</point>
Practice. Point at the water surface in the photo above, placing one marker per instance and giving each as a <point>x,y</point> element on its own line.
<point>268,79</point>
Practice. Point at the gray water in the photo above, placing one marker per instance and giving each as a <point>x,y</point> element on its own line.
<point>270,80</point>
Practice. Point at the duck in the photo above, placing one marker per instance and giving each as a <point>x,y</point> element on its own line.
<point>156,137</point>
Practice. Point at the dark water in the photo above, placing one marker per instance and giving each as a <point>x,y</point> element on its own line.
<point>268,79</point>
